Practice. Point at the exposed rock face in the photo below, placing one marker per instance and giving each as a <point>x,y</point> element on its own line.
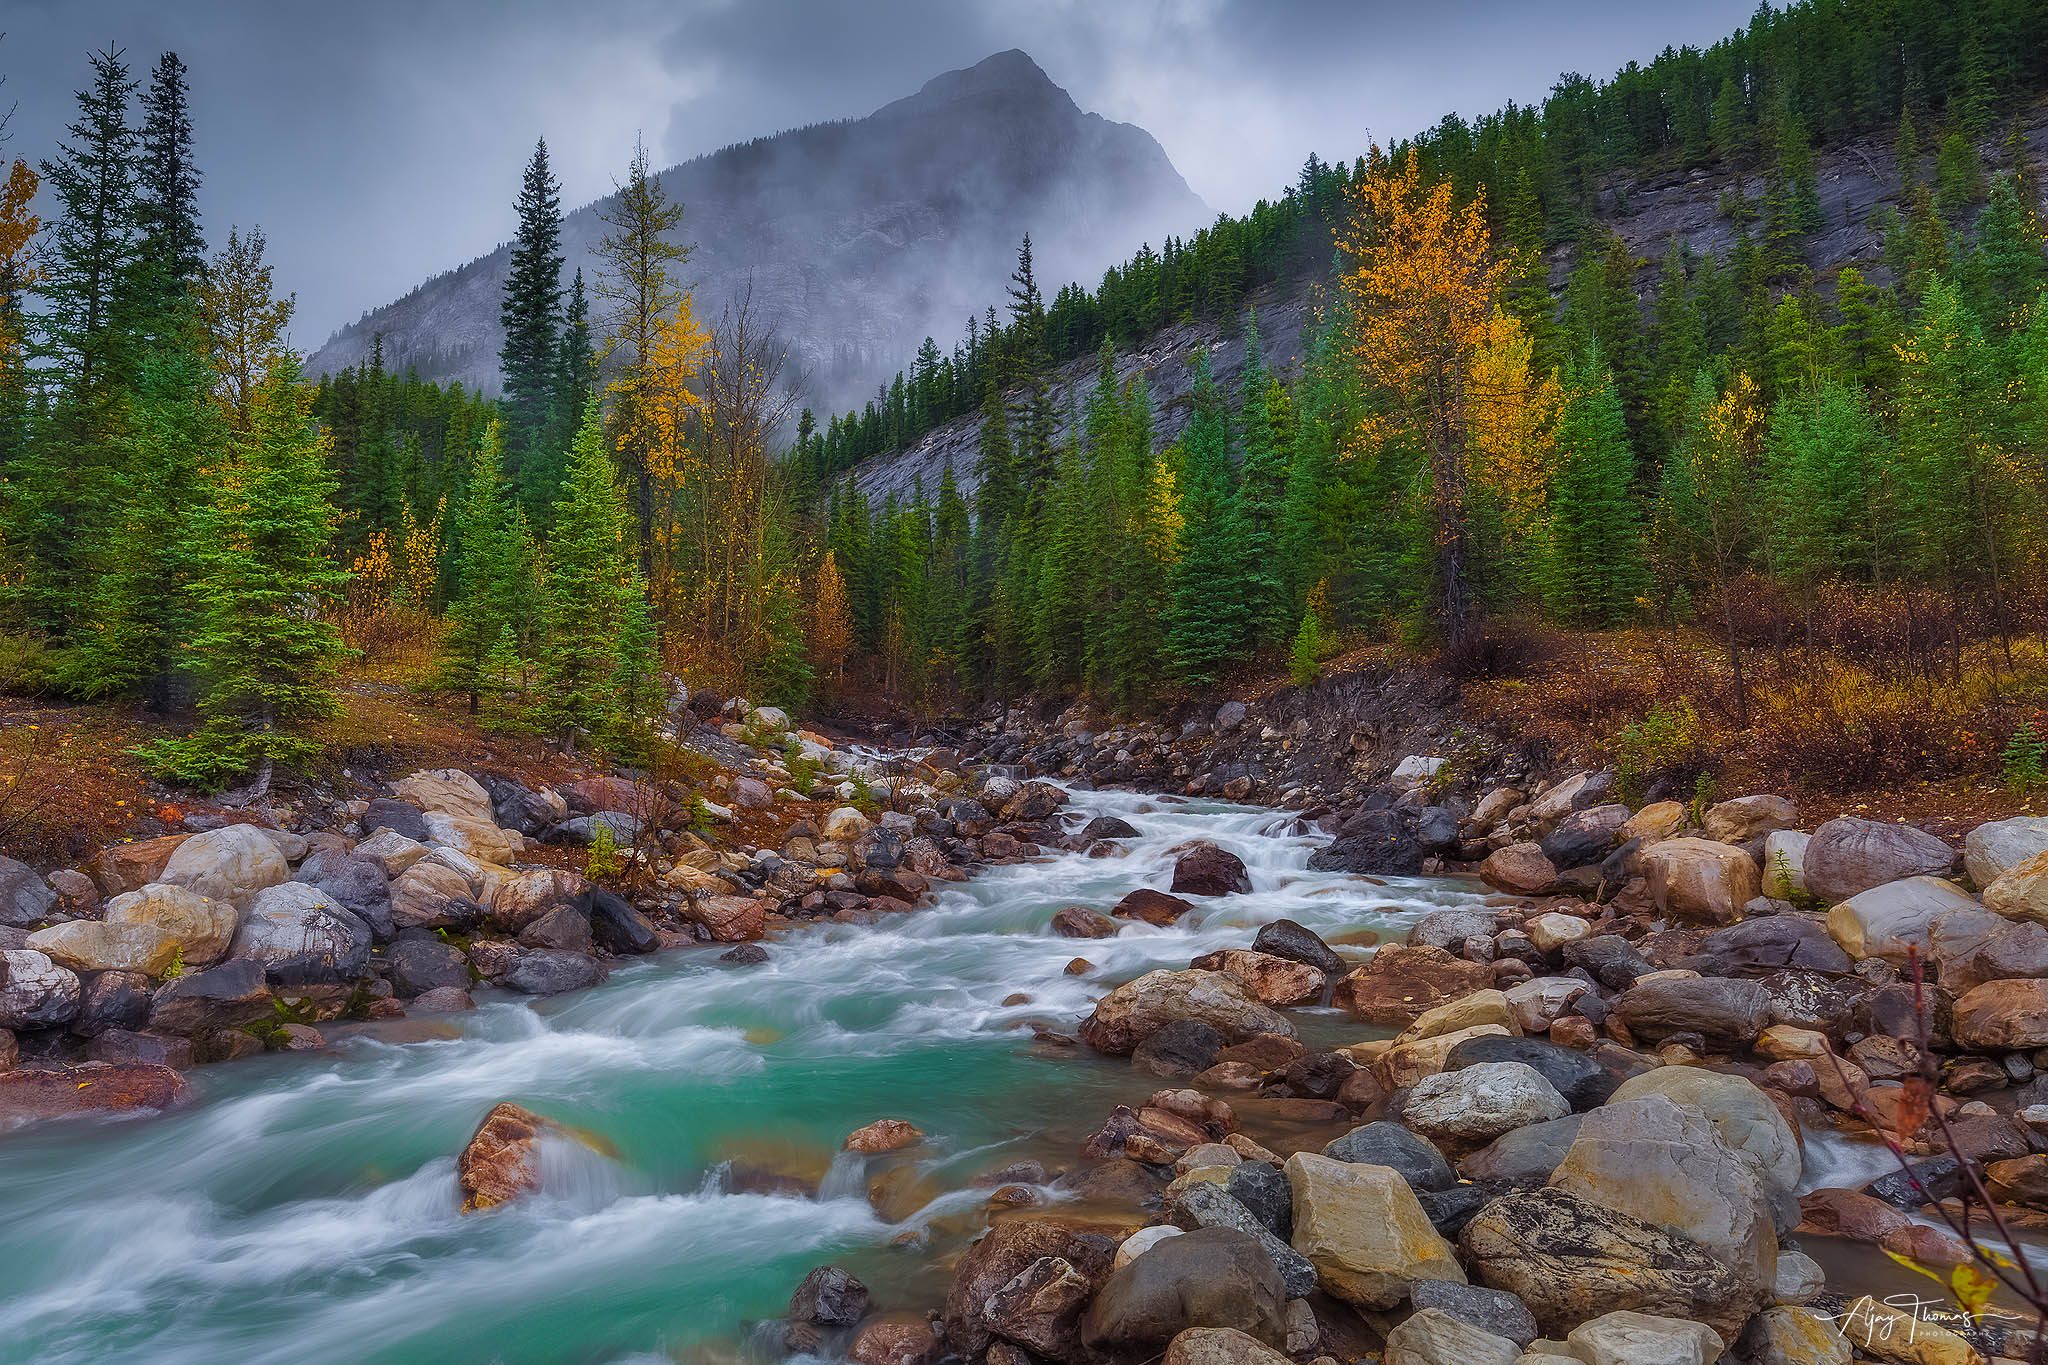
<point>1848,856</point>
<point>1133,1012</point>
<point>1363,1230</point>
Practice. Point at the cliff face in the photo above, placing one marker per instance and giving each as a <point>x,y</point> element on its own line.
<point>856,239</point>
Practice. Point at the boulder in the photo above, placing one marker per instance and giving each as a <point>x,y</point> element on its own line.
<point>751,793</point>
<point>1274,980</point>
<point>1006,1251</point>
<point>1560,800</point>
<point>1747,817</point>
<point>529,893</point>
<point>502,1159</point>
<point>1582,1081</point>
<point>1996,846</point>
<point>1414,1157</point>
<point>1971,947</point>
<point>1490,1310</point>
<point>1431,1336</point>
<point>1526,1156</point>
<point>421,964</point>
<point>231,863</point>
<point>86,945</point>
<point>1890,920</point>
<point>1657,1161</point>
<point>120,868</point>
<point>828,1297</point>
<point>34,991</point>
<point>1553,929</point>
<point>1181,1047</point>
<point>1203,1204</point>
<point>392,851</point>
<point>1584,836</point>
<point>224,997</point>
<point>1785,1335</point>
<point>1206,870</point>
<point>1449,927</point>
<point>1466,1012</point>
<point>1211,1277</point>
<point>1519,870</point>
<point>1473,1106</point>
<point>884,1135</point>
<point>432,895</point>
<point>2021,891</point>
<point>844,825</point>
<point>400,817</point>
<point>1136,1010</point>
<point>79,1091</point>
<point>1077,921</point>
<point>1742,1115</point>
<point>302,937</point>
<point>1700,879</point>
<point>446,791</point>
<point>565,927</point>
<point>1535,1003</point>
<point>1107,827</point>
<point>358,885</point>
<point>731,919</point>
<point>1363,1230</point>
<point>1403,1064</point>
<point>618,927</point>
<point>1785,863</point>
<point>1726,1011</point>
<point>894,1343</point>
<point>1630,1338</point>
<point>550,971</point>
<point>1770,941</point>
<point>133,1047</point>
<point>1902,1334</point>
<point>1400,982</point>
<point>113,1001</point>
<point>479,839</point>
<point>1034,801</point>
<point>1263,1190</point>
<point>2001,1016</point>
<point>1153,907</point>
<point>1570,1260</point>
<point>1220,1346</point>
<point>1848,856</point>
<point>25,898</point>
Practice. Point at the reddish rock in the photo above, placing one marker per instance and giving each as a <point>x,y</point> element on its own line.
<point>731,919</point>
<point>1153,907</point>
<point>1519,870</point>
<point>1206,870</point>
<point>893,1343</point>
<point>93,1088</point>
<point>594,794</point>
<point>1077,921</point>
<point>1274,980</point>
<point>502,1158</point>
<point>128,867</point>
<point>1402,980</point>
<point>884,1135</point>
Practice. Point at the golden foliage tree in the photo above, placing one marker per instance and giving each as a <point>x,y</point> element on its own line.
<point>1424,281</point>
<point>18,227</point>
<point>830,628</point>
<point>668,411</point>
<point>244,320</point>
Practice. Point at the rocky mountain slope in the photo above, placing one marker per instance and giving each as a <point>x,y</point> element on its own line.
<point>857,238</point>
<point>1855,179</point>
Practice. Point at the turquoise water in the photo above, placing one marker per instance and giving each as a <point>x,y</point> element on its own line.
<point>304,1209</point>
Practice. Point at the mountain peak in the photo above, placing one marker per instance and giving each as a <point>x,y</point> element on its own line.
<point>1006,73</point>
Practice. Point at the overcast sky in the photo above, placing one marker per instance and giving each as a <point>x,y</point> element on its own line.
<point>380,141</point>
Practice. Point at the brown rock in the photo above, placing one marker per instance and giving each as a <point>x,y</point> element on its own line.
<point>1078,921</point>
<point>526,895</point>
<point>94,1088</point>
<point>1153,907</point>
<point>893,1343</point>
<point>2002,1016</point>
<point>1700,879</point>
<point>884,1135</point>
<point>502,1158</point>
<point>1519,870</point>
<point>129,867</point>
<point>1401,981</point>
<point>1206,870</point>
<point>731,919</point>
<point>1009,1249</point>
<point>1275,980</point>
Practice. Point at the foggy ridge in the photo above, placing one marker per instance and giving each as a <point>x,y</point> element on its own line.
<point>859,237</point>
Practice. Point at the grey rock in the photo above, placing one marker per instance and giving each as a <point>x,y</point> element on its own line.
<point>1416,1158</point>
<point>400,817</point>
<point>1492,1310</point>
<point>1263,1189</point>
<point>113,1000</point>
<point>550,971</point>
<point>25,898</point>
<point>1202,1204</point>
<point>420,964</point>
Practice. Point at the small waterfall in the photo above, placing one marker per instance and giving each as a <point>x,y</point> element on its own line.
<point>847,1178</point>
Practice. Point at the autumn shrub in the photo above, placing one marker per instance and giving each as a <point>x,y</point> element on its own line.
<point>1837,725</point>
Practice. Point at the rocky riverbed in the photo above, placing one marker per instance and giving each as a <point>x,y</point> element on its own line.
<point>1427,1068</point>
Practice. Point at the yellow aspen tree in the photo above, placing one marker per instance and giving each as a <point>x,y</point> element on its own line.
<point>672,404</point>
<point>1422,276</point>
<point>830,629</point>
<point>1512,413</point>
<point>18,227</point>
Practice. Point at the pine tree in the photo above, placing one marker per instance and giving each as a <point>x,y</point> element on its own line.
<point>1262,489</point>
<point>587,568</point>
<point>1594,569</point>
<point>266,652</point>
<point>145,605</point>
<point>575,380</point>
<point>1207,622</point>
<point>486,547</point>
<point>172,250</point>
<point>531,313</point>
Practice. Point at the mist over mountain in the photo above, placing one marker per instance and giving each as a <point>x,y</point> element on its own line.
<point>858,238</point>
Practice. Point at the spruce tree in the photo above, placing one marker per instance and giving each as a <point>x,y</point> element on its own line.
<point>1594,571</point>
<point>172,249</point>
<point>486,546</point>
<point>145,605</point>
<point>531,312</point>
<point>1261,493</point>
<point>588,565</point>
<point>267,653</point>
<point>1207,622</point>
